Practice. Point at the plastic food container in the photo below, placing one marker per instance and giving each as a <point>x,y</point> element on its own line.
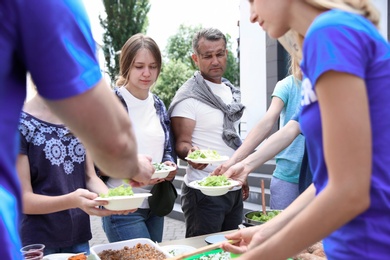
<point>96,249</point>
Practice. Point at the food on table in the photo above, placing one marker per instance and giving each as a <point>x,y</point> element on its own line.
<point>118,191</point>
<point>314,252</point>
<point>204,154</point>
<point>138,252</point>
<point>214,181</point>
<point>264,218</point>
<point>80,256</point>
<point>160,167</point>
<point>217,256</point>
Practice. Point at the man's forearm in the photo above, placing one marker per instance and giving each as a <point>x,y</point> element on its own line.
<point>182,149</point>
<point>103,126</point>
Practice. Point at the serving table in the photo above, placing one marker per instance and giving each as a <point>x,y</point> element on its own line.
<point>197,242</point>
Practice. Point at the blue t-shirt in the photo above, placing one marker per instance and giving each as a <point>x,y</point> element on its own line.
<point>288,161</point>
<point>349,43</point>
<point>52,40</point>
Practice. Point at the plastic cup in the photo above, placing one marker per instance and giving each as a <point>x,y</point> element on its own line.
<point>33,255</point>
<point>33,251</point>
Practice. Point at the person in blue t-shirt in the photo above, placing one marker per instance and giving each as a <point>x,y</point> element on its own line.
<point>53,41</point>
<point>286,97</point>
<point>346,122</point>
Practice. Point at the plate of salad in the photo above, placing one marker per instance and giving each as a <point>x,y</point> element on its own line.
<point>162,170</point>
<point>122,198</point>
<point>214,185</point>
<point>206,157</point>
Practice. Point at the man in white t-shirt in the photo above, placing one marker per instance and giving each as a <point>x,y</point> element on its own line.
<point>205,114</point>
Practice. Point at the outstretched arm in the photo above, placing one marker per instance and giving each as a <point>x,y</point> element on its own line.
<point>272,146</point>
<point>98,119</point>
<point>257,135</point>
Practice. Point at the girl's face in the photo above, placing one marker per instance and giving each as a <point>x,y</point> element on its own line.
<point>143,72</point>
<point>271,15</point>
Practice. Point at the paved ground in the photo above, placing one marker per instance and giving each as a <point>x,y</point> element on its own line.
<point>173,229</point>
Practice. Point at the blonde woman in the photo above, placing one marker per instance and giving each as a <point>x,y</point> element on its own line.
<point>346,122</point>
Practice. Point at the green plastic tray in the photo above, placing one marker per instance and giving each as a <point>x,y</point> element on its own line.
<point>215,251</point>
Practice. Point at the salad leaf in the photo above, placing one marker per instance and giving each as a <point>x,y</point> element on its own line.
<point>215,180</point>
<point>264,218</point>
<point>204,154</point>
<point>118,191</point>
<point>160,166</point>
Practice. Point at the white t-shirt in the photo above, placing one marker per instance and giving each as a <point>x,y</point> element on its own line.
<point>148,132</point>
<point>208,127</point>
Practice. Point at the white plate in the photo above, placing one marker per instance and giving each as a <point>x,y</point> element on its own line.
<point>209,161</point>
<point>163,173</point>
<point>59,256</point>
<point>125,202</point>
<point>214,190</point>
<point>96,249</point>
<point>176,250</point>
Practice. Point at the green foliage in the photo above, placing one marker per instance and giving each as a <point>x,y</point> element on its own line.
<point>174,73</point>
<point>124,19</point>
<point>179,46</point>
<point>232,72</point>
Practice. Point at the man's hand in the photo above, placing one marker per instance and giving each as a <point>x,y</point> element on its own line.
<point>197,166</point>
<point>145,171</point>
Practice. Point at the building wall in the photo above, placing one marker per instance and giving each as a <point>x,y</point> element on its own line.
<point>252,70</point>
<point>263,63</point>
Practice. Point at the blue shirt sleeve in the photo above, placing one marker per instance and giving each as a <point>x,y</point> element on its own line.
<point>344,55</point>
<point>58,48</point>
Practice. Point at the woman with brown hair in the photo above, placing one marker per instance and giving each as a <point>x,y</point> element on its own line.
<point>140,65</point>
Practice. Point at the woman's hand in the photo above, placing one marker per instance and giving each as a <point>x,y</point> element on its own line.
<point>85,200</point>
<point>244,236</point>
<point>173,173</point>
<point>238,172</point>
<point>221,169</point>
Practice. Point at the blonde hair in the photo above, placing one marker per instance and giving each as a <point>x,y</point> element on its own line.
<point>295,69</point>
<point>362,7</point>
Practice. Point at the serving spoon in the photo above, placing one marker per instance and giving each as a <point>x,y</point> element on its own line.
<point>263,198</point>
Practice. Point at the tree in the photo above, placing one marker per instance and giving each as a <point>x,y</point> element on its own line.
<point>173,74</point>
<point>179,66</point>
<point>179,46</point>
<point>124,19</point>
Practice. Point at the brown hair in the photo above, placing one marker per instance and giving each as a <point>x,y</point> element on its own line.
<point>130,50</point>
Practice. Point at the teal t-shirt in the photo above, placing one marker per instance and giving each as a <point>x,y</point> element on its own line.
<point>288,161</point>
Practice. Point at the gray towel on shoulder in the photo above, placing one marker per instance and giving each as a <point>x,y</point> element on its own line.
<point>197,88</point>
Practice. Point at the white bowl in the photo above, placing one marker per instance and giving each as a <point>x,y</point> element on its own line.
<point>214,190</point>
<point>96,249</point>
<point>124,202</point>
<point>222,159</point>
<point>163,173</point>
